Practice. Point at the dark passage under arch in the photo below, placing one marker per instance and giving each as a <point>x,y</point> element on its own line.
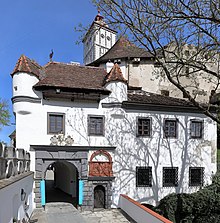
<point>62,183</point>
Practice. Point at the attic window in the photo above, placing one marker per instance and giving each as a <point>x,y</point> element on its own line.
<point>165,92</point>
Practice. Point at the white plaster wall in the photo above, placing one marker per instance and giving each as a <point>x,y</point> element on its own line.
<point>152,79</point>
<point>23,83</point>
<point>11,205</point>
<point>158,152</point>
<point>118,92</point>
<point>131,151</point>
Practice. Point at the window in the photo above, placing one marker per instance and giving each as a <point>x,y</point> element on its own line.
<point>143,176</point>
<point>196,176</point>
<point>196,129</point>
<point>165,92</point>
<point>144,127</point>
<point>55,123</point>
<point>170,176</point>
<point>96,125</point>
<point>170,128</point>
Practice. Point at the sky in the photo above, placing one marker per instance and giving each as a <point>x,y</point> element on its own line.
<point>33,28</point>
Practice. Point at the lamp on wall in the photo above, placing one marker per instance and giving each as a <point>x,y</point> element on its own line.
<point>23,195</point>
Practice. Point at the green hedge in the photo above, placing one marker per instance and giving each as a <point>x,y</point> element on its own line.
<point>199,207</point>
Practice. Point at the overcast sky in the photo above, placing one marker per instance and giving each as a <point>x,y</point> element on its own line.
<point>33,28</point>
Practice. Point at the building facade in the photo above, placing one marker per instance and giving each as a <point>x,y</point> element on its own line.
<point>100,138</point>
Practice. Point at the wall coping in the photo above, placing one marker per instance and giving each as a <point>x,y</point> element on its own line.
<point>156,215</point>
<point>8,181</point>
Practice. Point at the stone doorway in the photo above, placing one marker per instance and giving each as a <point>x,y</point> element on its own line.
<point>99,197</point>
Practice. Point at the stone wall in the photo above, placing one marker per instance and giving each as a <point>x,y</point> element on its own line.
<point>13,161</point>
<point>16,185</point>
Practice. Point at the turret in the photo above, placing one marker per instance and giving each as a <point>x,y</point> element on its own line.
<point>24,76</point>
<point>117,84</point>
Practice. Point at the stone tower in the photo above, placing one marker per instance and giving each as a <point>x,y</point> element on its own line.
<point>98,40</point>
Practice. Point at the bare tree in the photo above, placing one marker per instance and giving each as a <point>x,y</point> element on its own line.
<point>182,35</point>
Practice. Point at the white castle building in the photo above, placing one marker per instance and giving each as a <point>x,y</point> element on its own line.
<point>94,126</point>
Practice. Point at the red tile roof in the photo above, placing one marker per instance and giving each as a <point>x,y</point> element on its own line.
<point>115,74</point>
<point>71,76</point>
<point>123,48</point>
<point>24,64</point>
<point>140,96</point>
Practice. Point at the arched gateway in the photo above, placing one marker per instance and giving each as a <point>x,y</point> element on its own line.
<point>66,168</point>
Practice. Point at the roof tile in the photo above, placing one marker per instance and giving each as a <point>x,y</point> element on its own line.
<point>72,76</point>
<point>140,96</point>
<point>24,64</point>
<point>123,48</point>
<point>115,74</point>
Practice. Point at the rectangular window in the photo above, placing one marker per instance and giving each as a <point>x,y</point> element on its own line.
<point>96,125</point>
<point>170,176</point>
<point>196,129</point>
<point>143,176</point>
<point>55,123</point>
<point>196,176</point>
<point>170,128</point>
<point>144,127</point>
